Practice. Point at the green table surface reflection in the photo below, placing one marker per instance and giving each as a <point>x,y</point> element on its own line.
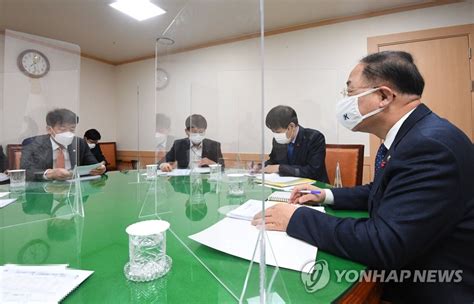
<point>41,228</point>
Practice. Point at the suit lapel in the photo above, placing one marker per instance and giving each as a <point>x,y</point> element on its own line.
<point>48,147</point>
<point>420,112</point>
<point>186,147</point>
<point>205,149</point>
<point>297,146</point>
<point>72,149</point>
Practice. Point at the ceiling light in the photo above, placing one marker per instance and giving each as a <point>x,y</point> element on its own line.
<point>138,9</point>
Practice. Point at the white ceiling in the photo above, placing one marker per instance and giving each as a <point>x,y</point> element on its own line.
<point>105,33</point>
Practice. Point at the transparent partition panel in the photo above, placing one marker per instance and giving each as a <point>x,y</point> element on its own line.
<point>40,150</point>
<point>208,144</point>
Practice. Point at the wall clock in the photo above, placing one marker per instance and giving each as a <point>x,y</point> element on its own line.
<point>33,63</point>
<point>34,252</point>
<point>162,78</point>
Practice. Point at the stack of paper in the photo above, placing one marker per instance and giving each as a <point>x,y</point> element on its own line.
<point>181,172</point>
<point>248,210</point>
<point>38,284</point>
<point>280,196</point>
<point>277,181</point>
<point>239,237</point>
<point>6,202</point>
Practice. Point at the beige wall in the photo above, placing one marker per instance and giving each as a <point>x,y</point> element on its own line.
<point>98,96</point>
<point>27,100</point>
<point>85,86</point>
<point>305,69</point>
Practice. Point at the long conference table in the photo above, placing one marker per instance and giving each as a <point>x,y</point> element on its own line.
<point>42,227</point>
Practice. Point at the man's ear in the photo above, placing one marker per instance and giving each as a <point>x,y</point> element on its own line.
<point>186,131</point>
<point>387,96</point>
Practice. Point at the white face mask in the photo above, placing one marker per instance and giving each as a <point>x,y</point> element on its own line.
<point>91,146</point>
<point>196,138</point>
<point>65,138</point>
<point>160,137</point>
<point>347,110</point>
<point>281,138</point>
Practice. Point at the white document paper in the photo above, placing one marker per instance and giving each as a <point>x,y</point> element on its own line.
<point>179,172</point>
<point>85,170</point>
<point>2,194</point>
<point>85,178</point>
<point>250,208</point>
<point>4,177</point>
<point>186,172</point>
<point>276,178</point>
<point>247,210</point>
<point>6,202</point>
<point>238,238</point>
<point>38,284</point>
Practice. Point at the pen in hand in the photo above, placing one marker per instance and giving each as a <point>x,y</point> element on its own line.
<point>310,191</point>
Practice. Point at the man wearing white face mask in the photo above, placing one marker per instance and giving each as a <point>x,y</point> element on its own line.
<point>195,150</point>
<point>421,201</point>
<point>52,156</point>
<point>296,151</point>
<point>92,137</point>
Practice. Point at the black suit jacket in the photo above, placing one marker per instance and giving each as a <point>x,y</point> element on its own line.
<point>309,156</point>
<point>97,152</point>
<point>180,152</point>
<point>421,213</point>
<point>37,155</point>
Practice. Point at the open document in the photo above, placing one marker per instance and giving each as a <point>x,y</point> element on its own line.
<point>238,237</point>
<point>86,170</point>
<point>38,284</point>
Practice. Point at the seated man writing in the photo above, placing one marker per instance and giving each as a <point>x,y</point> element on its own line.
<point>296,151</point>
<point>195,148</point>
<point>53,155</point>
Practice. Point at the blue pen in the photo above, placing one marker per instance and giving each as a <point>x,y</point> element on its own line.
<point>310,191</point>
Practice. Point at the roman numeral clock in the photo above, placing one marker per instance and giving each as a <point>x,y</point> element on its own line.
<point>33,63</point>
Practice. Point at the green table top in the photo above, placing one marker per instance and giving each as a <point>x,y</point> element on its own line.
<point>40,228</point>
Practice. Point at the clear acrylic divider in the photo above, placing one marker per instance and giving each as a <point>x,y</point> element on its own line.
<point>40,146</point>
<point>207,140</point>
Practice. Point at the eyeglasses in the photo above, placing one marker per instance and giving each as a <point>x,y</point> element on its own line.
<point>346,92</point>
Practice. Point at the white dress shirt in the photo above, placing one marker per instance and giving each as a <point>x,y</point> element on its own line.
<point>195,154</point>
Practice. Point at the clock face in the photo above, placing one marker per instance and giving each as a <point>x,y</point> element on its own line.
<point>34,252</point>
<point>33,63</point>
<point>162,79</point>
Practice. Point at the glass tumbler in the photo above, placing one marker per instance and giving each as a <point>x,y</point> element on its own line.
<point>147,250</point>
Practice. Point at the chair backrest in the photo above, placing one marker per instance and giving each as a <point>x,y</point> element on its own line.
<point>351,163</point>
<point>109,149</point>
<point>14,156</point>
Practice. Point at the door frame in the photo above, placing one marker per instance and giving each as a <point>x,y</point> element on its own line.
<point>373,44</point>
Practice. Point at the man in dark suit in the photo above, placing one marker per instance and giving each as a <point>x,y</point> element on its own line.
<point>52,156</point>
<point>195,149</point>
<point>421,202</point>
<point>296,151</point>
<point>92,137</point>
